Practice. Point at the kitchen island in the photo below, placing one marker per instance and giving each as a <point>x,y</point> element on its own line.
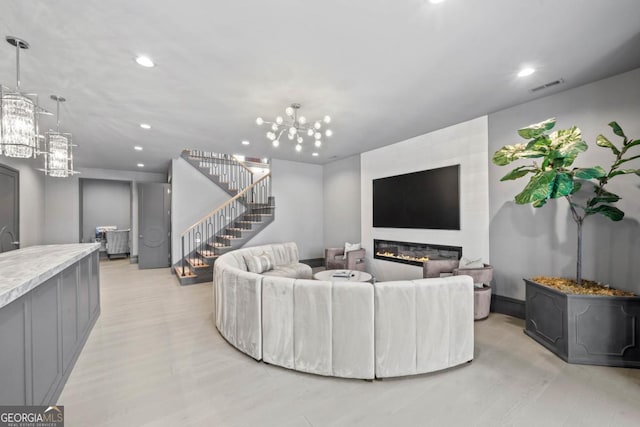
<point>49,302</point>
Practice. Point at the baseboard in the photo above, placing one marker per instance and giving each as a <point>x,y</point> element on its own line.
<point>509,306</point>
<point>133,259</point>
<point>313,262</point>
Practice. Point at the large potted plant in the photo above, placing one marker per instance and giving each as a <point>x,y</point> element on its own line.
<point>579,320</point>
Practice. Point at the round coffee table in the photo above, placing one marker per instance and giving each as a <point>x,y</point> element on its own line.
<point>334,276</point>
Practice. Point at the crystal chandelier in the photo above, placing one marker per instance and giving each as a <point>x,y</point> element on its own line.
<point>296,127</point>
<point>18,123</point>
<point>59,157</point>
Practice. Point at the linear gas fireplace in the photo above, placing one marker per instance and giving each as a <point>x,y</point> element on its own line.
<point>413,253</point>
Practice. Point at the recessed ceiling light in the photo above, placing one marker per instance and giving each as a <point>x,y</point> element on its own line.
<point>315,154</point>
<point>137,148</point>
<point>526,72</point>
<point>245,142</point>
<point>145,61</point>
<point>435,1</point>
<point>145,126</point>
<point>140,165</point>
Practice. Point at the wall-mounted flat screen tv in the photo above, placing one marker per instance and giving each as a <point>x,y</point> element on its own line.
<point>428,199</point>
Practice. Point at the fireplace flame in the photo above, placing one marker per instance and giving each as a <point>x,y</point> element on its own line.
<point>405,257</point>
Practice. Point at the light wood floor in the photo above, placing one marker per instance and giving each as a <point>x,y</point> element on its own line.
<point>155,358</point>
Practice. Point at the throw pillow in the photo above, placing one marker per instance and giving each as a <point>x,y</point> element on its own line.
<point>259,263</point>
<point>348,247</point>
<point>470,263</point>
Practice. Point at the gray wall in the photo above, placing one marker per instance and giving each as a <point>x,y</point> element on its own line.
<point>297,188</point>
<point>32,200</point>
<point>104,203</point>
<point>62,201</point>
<point>341,209</point>
<point>193,196</point>
<point>527,241</point>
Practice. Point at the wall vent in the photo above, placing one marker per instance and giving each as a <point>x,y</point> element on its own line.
<point>547,85</point>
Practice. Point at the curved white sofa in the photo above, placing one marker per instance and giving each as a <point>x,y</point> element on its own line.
<point>343,329</point>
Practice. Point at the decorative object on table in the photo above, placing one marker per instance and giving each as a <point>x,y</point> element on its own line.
<point>481,273</point>
<point>351,257</point>
<point>296,126</point>
<point>589,329</point>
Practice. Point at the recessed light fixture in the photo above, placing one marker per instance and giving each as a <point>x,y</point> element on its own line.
<point>435,1</point>
<point>140,165</point>
<point>245,142</point>
<point>137,148</point>
<point>526,72</point>
<point>145,126</point>
<point>145,61</point>
<point>315,154</point>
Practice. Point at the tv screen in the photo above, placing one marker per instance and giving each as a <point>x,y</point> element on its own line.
<point>427,199</point>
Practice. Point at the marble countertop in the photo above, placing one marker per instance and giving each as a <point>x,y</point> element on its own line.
<point>24,269</point>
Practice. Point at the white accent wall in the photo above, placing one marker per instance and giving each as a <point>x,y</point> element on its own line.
<point>464,144</point>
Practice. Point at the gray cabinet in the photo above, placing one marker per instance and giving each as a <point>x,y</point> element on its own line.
<point>43,332</point>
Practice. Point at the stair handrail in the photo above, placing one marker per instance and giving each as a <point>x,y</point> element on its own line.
<point>228,202</point>
<point>189,152</point>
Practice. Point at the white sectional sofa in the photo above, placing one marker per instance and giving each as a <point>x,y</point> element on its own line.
<point>343,329</point>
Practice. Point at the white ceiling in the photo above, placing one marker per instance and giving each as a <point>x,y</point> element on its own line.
<point>383,70</point>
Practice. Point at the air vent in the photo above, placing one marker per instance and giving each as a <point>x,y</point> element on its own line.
<point>547,85</point>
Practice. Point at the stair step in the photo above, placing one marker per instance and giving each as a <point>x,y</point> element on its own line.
<point>208,254</point>
<point>187,272</point>
<point>219,245</point>
<point>196,263</point>
<point>236,229</point>
<point>228,237</point>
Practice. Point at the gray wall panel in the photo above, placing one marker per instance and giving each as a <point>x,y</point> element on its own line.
<point>83,295</point>
<point>13,354</point>
<point>45,340</point>
<point>105,202</point>
<point>69,314</point>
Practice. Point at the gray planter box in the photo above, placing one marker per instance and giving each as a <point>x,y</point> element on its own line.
<point>585,329</point>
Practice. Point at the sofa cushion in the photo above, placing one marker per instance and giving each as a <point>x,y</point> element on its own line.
<point>295,271</point>
<point>259,263</point>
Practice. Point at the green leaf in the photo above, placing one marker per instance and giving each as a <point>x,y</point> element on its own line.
<point>518,172</point>
<point>538,189</point>
<point>577,185</point>
<point>602,141</point>
<point>562,186</point>
<point>540,144</point>
<point>611,212</point>
<point>627,160</point>
<point>568,143</point>
<point>510,153</point>
<point>602,196</point>
<point>590,173</point>
<point>537,129</point>
<point>617,129</point>
<point>539,203</point>
<point>623,172</point>
<point>632,143</point>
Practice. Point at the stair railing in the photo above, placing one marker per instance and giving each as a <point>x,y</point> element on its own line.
<point>235,173</point>
<point>212,230</point>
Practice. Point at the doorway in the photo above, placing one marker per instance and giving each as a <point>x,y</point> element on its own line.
<point>9,209</point>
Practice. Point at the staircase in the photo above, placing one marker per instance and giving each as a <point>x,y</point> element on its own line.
<point>228,227</point>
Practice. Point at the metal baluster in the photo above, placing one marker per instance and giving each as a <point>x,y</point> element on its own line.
<point>182,260</point>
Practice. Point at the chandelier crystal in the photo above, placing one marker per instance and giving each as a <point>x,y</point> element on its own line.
<point>59,156</point>
<point>296,128</point>
<point>18,111</point>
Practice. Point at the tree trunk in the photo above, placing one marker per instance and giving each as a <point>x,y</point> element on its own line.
<point>579,258</point>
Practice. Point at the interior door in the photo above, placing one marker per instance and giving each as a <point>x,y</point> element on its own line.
<point>9,209</point>
<point>154,223</point>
